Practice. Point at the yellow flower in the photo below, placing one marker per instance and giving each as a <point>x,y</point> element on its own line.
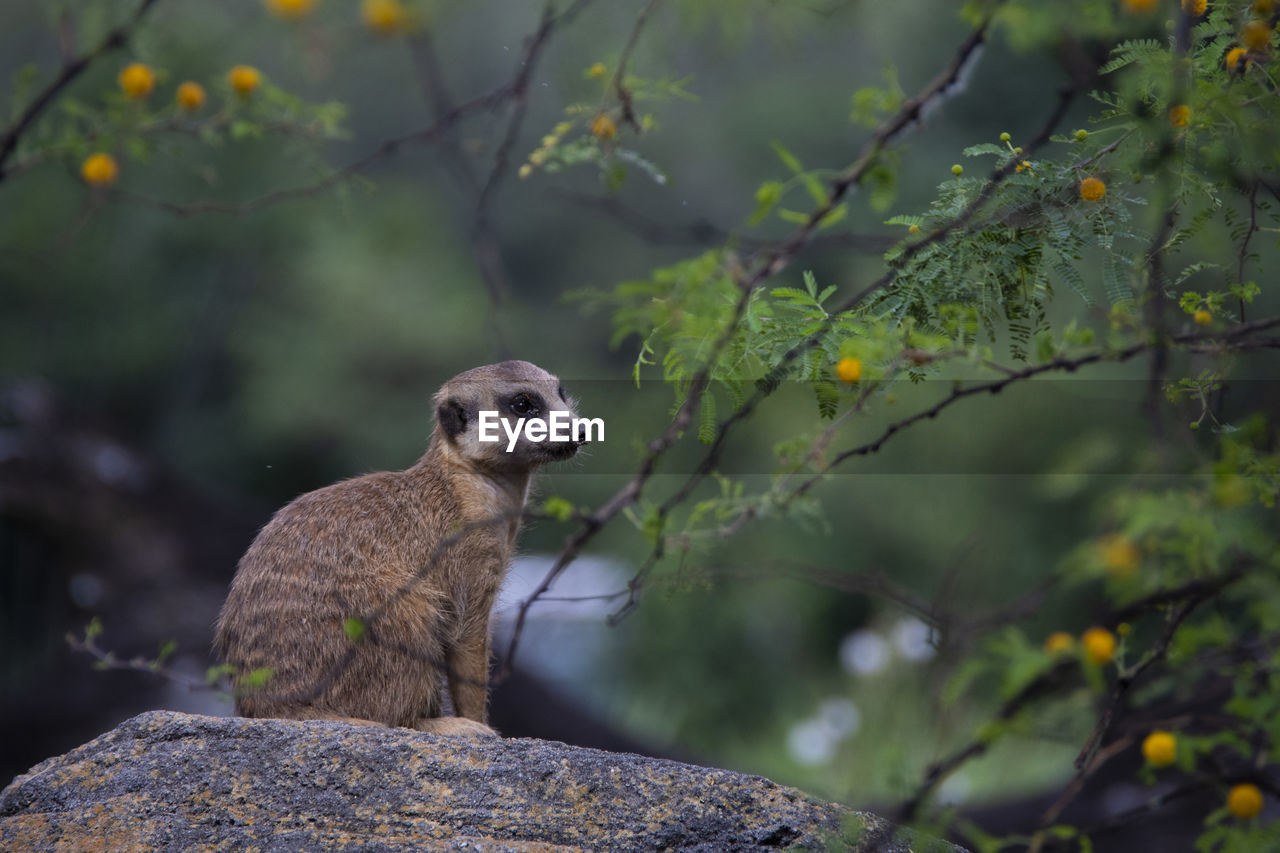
<point>1202,317</point>
<point>244,79</point>
<point>1099,645</point>
<point>1180,115</point>
<point>1194,8</point>
<point>1256,35</point>
<point>190,96</point>
<point>1237,59</point>
<point>1025,164</point>
<point>1244,800</point>
<point>1120,556</point>
<point>1082,135</point>
<point>603,127</point>
<point>1059,642</point>
<point>1262,8</point>
<point>99,170</point>
<point>913,229</point>
<point>597,70</point>
<point>849,370</point>
<point>1140,7</point>
<point>1160,749</point>
<point>525,171</point>
<point>1092,189</point>
<point>290,8</point>
<point>137,80</point>
<point>957,170</point>
<point>384,16</point>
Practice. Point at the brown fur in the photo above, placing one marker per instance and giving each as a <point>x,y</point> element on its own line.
<point>378,549</point>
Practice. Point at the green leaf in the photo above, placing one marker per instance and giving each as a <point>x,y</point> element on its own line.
<point>816,190</point>
<point>214,673</point>
<point>794,295</point>
<point>1045,350</point>
<point>166,651</point>
<point>827,396</point>
<point>707,418</point>
<point>1115,278</point>
<point>810,283</point>
<point>258,677</point>
<point>242,129</point>
<point>788,159</point>
<point>558,508</point>
<point>986,148</point>
<point>768,195</point>
<point>353,628</point>
<point>833,216</point>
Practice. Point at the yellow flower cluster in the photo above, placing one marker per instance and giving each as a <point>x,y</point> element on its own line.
<point>1120,555</point>
<point>99,170</point>
<point>291,9</point>
<point>137,81</point>
<point>550,141</point>
<point>190,96</point>
<point>1097,644</point>
<point>1160,749</point>
<point>244,79</point>
<point>385,17</point>
<point>603,128</point>
<point>849,370</point>
<point>1092,189</point>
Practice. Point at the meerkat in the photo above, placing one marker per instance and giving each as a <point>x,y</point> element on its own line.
<point>367,599</point>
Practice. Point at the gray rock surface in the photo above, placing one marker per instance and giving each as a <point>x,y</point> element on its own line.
<point>169,781</point>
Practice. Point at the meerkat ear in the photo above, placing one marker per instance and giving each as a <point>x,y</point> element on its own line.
<point>452,417</point>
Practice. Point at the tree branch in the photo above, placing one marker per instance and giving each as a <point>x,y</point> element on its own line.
<point>117,38</point>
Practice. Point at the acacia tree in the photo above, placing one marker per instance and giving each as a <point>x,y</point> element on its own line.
<point>995,284</point>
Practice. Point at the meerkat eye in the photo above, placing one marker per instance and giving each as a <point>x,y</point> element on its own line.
<point>522,405</point>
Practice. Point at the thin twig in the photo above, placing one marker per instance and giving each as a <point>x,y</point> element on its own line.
<point>618,83</point>
<point>423,136</point>
<point>705,233</point>
<point>1243,256</point>
<point>520,103</point>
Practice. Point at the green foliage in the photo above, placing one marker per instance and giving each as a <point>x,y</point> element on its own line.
<point>1107,213</point>
<point>257,678</point>
<point>558,508</point>
<point>157,128</point>
<point>1007,271</point>
<point>594,130</point>
<point>872,105</point>
<point>771,193</point>
<point>353,628</point>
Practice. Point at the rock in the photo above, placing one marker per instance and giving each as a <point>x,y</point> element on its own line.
<point>171,781</point>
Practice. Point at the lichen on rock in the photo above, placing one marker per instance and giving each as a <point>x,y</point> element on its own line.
<point>165,780</point>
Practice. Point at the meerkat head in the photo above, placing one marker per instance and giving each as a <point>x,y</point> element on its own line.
<point>507,416</point>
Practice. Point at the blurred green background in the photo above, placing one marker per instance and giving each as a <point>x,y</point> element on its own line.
<point>258,356</point>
